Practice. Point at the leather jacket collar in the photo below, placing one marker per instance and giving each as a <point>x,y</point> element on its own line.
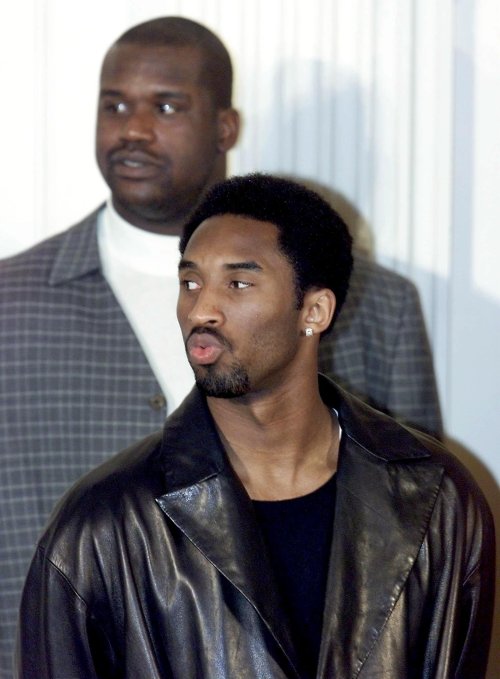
<point>208,503</point>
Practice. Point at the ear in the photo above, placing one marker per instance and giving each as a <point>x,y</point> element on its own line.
<point>228,128</point>
<point>318,309</point>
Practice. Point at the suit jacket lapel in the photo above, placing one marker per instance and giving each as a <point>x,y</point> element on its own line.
<point>79,252</point>
<point>78,260</point>
<point>384,504</point>
<point>211,507</point>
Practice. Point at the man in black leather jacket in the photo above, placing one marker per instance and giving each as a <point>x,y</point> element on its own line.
<point>277,527</point>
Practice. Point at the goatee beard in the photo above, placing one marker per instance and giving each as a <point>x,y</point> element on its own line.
<point>231,384</point>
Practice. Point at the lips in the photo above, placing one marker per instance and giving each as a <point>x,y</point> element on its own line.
<point>204,348</point>
<point>134,164</point>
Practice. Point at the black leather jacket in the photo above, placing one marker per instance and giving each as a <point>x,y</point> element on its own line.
<point>152,566</point>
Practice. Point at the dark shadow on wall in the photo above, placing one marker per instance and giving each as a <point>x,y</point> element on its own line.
<point>317,128</point>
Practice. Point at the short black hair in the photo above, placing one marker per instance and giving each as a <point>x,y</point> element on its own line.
<point>217,71</point>
<point>312,235</point>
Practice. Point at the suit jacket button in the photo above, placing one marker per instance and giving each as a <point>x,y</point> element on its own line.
<point>157,402</point>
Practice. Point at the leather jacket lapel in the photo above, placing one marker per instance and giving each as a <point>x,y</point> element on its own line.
<point>209,505</point>
<point>377,537</point>
<point>377,532</point>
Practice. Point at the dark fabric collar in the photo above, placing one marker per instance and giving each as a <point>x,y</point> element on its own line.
<point>192,450</point>
<point>378,434</point>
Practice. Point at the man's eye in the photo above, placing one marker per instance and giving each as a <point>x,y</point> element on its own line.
<point>115,107</point>
<point>167,109</point>
<point>190,285</point>
<point>240,285</point>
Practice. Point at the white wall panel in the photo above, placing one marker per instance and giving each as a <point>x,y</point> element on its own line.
<point>21,123</point>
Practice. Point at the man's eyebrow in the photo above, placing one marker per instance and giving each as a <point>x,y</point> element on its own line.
<point>108,92</point>
<point>161,94</point>
<point>232,266</point>
<point>171,94</point>
<point>186,264</point>
<point>248,266</point>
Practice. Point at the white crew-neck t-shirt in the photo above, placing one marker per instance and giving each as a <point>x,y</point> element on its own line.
<point>141,268</point>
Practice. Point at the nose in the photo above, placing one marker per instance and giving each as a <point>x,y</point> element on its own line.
<point>205,309</point>
<point>139,126</point>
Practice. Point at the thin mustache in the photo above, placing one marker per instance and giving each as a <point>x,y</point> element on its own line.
<point>135,151</point>
<point>210,331</point>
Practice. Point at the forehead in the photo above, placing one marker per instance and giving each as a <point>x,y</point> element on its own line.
<point>144,65</point>
<point>233,238</point>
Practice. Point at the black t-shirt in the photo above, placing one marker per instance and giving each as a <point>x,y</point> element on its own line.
<point>298,535</point>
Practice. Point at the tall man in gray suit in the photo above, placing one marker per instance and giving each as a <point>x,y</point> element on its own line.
<point>90,358</point>
<point>90,350</point>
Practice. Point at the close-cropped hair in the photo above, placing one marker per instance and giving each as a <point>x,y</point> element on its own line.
<point>217,70</point>
<point>312,235</point>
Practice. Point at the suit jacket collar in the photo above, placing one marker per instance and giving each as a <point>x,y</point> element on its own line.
<point>78,253</point>
<point>385,497</point>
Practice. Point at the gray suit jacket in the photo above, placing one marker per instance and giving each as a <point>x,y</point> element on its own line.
<point>75,385</point>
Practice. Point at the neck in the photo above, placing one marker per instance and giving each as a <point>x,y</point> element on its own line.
<point>165,227</point>
<point>281,445</point>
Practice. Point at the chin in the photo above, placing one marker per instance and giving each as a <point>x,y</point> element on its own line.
<point>145,208</point>
<point>232,384</point>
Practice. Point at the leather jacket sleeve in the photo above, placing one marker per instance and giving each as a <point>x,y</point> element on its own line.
<point>53,639</point>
